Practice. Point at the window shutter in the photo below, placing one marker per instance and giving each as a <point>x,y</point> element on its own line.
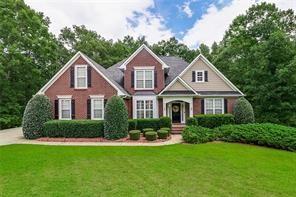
<point>56,109</point>
<point>225,106</point>
<point>193,76</point>
<point>88,109</point>
<point>89,76</point>
<point>73,108</point>
<point>72,77</point>
<point>132,78</point>
<point>206,76</point>
<point>202,106</point>
<point>155,79</point>
<point>105,102</point>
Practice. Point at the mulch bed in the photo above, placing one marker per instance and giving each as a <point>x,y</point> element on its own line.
<point>99,139</point>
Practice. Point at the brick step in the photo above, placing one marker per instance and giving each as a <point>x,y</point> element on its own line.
<point>177,128</point>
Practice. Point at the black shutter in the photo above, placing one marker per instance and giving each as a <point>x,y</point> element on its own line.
<point>88,109</point>
<point>193,76</point>
<point>56,109</point>
<point>73,108</point>
<point>225,106</point>
<point>72,77</point>
<point>105,102</point>
<point>202,106</point>
<point>206,76</point>
<point>89,76</point>
<point>155,79</point>
<point>132,78</point>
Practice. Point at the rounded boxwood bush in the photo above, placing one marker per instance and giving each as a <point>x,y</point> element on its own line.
<point>162,134</point>
<point>134,134</point>
<point>37,112</point>
<point>243,111</point>
<point>151,135</point>
<point>197,134</point>
<point>147,130</point>
<point>116,119</point>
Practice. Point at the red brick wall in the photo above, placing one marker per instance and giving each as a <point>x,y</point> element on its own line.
<point>143,58</point>
<point>160,107</point>
<point>62,87</point>
<point>230,104</point>
<point>129,106</point>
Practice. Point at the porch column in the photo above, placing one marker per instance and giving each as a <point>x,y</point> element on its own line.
<point>191,108</point>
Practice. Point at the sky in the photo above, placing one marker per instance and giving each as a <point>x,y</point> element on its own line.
<point>191,21</point>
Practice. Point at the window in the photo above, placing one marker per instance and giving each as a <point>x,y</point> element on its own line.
<point>144,108</point>
<point>97,108</point>
<point>81,76</point>
<point>65,109</point>
<point>200,76</point>
<point>214,106</point>
<point>144,79</point>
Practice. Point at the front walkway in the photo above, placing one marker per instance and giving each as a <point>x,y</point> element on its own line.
<point>15,136</point>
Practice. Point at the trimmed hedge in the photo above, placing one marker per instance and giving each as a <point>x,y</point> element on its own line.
<point>191,121</point>
<point>74,128</point>
<point>214,120</point>
<point>37,112</point>
<point>162,134</point>
<point>116,118</point>
<point>151,135</point>
<point>197,134</point>
<point>266,134</point>
<point>166,129</point>
<point>147,130</point>
<point>154,123</point>
<point>243,111</point>
<point>134,134</point>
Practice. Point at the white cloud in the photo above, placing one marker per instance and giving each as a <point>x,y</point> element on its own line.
<point>110,18</point>
<point>213,24</point>
<point>186,9</point>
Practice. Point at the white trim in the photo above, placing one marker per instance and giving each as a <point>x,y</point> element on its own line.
<point>145,97</point>
<point>144,67</point>
<point>64,96</point>
<point>67,65</point>
<point>123,66</point>
<point>76,76</point>
<point>144,80</point>
<point>182,81</point>
<point>167,100</point>
<point>205,100</point>
<point>96,96</point>
<point>92,107</point>
<point>60,108</point>
<point>200,56</point>
<point>203,76</point>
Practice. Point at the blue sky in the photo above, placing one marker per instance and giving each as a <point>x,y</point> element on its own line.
<point>191,21</point>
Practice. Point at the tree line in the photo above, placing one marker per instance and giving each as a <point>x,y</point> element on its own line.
<point>257,53</point>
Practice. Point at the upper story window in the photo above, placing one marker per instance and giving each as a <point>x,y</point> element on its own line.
<point>144,79</point>
<point>81,76</point>
<point>214,106</point>
<point>200,76</point>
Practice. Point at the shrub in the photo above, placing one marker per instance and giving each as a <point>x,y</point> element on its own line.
<point>132,124</point>
<point>151,135</point>
<point>165,122</point>
<point>266,134</point>
<point>74,128</point>
<point>147,130</point>
<point>197,134</point>
<point>214,120</point>
<point>134,134</point>
<point>116,119</point>
<point>243,112</point>
<point>37,112</point>
<point>162,134</point>
<point>191,121</point>
<point>9,121</point>
<point>148,123</point>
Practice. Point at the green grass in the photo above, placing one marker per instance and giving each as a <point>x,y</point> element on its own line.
<point>213,169</point>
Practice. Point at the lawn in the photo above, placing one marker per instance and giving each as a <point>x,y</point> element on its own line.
<point>213,169</point>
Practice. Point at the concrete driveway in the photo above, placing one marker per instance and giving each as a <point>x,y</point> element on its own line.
<point>11,136</point>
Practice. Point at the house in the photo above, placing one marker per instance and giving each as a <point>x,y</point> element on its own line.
<point>151,86</point>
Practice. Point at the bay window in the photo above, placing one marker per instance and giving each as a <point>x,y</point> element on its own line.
<point>144,108</point>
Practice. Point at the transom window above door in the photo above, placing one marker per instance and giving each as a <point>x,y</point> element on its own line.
<point>144,79</point>
<point>81,76</point>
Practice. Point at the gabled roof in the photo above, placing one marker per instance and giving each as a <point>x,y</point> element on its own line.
<point>123,65</point>
<point>204,59</point>
<point>183,82</point>
<point>101,70</point>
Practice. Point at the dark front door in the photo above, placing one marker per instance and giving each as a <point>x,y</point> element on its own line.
<point>176,112</point>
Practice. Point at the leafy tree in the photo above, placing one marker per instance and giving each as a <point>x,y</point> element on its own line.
<point>205,50</point>
<point>243,112</point>
<point>29,55</point>
<point>116,119</point>
<point>37,112</point>
<point>258,55</point>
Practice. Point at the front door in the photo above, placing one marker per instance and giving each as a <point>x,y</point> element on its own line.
<point>176,113</point>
